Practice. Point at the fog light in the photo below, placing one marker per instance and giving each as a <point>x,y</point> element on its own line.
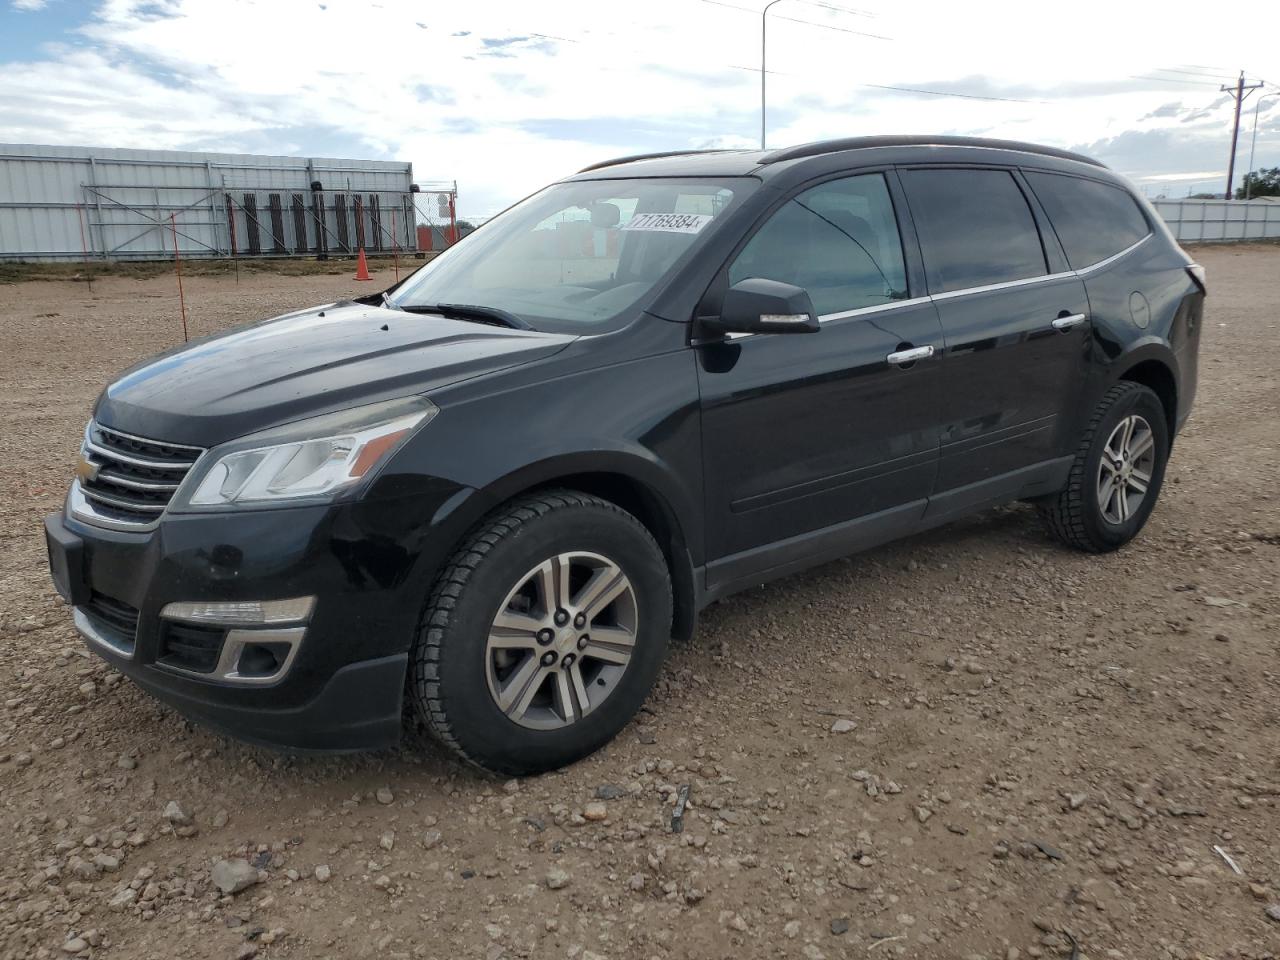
<point>242,612</point>
<point>258,655</point>
<point>262,659</point>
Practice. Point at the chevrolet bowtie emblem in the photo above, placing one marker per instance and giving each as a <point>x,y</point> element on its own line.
<point>87,470</point>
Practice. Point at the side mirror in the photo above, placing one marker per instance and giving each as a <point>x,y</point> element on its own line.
<point>756,305</point>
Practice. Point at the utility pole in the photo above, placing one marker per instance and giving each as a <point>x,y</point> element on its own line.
<point>1238,93</point>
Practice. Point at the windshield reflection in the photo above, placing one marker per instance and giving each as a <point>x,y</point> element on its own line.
<point>577,255</point>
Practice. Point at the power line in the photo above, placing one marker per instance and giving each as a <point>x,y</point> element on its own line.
<point>832,26</point>
<point>1198,83</point>
<point>552,36</point>
<point>834,6</point>
<point>943,93</point>
<point>875,86</point>
<point>1195,73</point>
<point>809,23</point>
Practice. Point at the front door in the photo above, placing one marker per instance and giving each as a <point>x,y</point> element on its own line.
<point>808,436</point>
<point>1016,324</point>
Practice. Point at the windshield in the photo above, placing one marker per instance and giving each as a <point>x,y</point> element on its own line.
<point>577,255</point>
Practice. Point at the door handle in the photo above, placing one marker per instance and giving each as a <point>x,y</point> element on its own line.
<point>911,355</point>
<point>1063,324</point>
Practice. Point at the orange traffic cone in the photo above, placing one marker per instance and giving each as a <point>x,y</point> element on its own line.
<point>362,267</point>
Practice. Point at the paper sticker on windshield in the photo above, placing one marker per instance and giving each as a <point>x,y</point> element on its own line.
<point>669,222</point>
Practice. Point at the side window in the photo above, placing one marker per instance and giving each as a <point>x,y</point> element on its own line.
<point>1093,220</point>
<point>839,241</point>
<point>975,228</point>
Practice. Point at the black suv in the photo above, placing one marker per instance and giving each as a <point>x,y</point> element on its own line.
<point>493,493</point>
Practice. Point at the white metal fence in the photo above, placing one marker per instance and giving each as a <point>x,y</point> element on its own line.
<point>73,203</point>
<point>1220,220</point>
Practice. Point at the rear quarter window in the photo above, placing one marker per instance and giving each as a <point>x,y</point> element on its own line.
<point>1093,220</point>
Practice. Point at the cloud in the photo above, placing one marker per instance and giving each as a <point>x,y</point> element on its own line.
<point>503,95</point>
<point>1167,110</point>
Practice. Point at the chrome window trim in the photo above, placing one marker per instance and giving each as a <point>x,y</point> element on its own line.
<point>1114,257</point>
<point>1003,285</point>
<point>846,314</point>
<point>874,308</point>
<point>966,291</point>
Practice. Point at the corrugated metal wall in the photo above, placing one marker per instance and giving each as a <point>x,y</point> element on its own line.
<point>1225,220</point>
<point>67,203</point>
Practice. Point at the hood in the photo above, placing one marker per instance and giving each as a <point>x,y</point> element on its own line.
<point>304,364</point>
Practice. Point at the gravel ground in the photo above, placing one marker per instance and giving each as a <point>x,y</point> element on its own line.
<point>972,743</point>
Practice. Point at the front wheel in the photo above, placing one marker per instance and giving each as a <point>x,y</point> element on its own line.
<point>1117,473</point>
<point>543,635</point>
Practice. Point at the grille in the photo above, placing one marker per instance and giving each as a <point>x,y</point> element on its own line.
<point>114,618</point>
<point>189,646</point>
<point>135,478</point>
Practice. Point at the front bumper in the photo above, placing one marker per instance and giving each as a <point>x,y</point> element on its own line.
<point>368,564</point>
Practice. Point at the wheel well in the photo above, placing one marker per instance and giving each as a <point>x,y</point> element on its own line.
<point>1159,378</point>
<point>659,519</point>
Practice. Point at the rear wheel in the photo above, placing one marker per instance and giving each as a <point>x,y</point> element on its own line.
<point>1117,473</point>
<point>543,635</point>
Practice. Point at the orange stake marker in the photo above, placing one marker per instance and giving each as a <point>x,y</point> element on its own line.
<point>84,248</point>
<point>177,266</point>
<point>395,243</point>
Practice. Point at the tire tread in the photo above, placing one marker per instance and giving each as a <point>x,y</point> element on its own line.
<point>1064,513</point>
<point>504,522</point>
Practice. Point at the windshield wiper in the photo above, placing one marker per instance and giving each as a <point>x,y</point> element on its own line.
<point>494,316</point>
<point>386,302</point>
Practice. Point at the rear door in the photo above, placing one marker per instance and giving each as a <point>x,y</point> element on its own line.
<point>1016,324</point>
<point>1104,235</point>
<point>807,433</point>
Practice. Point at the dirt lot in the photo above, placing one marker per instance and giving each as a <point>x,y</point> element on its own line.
<point>1046,745</point>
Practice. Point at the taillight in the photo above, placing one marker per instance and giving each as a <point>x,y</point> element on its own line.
<point>1196,272</point>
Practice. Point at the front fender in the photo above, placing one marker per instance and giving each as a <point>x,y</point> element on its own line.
<point>638,420</point>
<point>629,462</point>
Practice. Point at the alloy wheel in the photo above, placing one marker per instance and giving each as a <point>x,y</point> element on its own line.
<point>561,640</point>
<point>1125,470</point>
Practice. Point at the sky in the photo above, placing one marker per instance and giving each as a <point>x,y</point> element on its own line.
<point>505,96</point>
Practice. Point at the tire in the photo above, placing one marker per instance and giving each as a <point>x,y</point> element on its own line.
<point>1077,516</point>
<point>488,597</point>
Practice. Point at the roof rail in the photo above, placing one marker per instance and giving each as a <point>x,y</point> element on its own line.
<point>646,156</point>
<point>857,143</point>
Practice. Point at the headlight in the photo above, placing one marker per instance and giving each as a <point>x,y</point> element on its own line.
<point>315,458</point>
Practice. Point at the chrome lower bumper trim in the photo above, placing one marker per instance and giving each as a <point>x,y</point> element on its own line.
<point>228,668</point>
<point>84,626</point>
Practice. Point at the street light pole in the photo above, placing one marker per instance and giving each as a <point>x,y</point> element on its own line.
<point>1253,143</point>
<point>764,23</point>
